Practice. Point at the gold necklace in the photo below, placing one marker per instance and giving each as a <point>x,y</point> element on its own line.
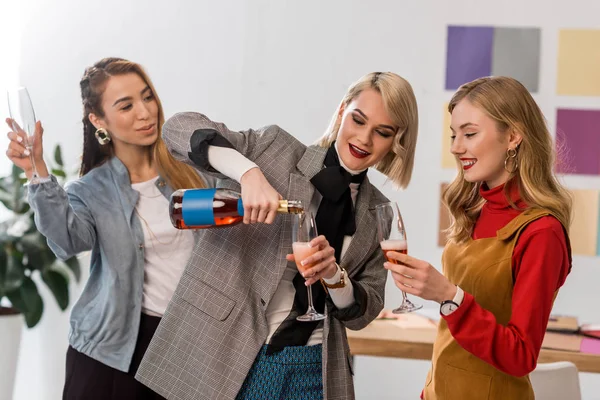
<point>151,197</point>
<point>153,237</point>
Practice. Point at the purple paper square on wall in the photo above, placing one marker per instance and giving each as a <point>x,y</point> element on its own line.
<point>578,141</point>
<point>469,54</point>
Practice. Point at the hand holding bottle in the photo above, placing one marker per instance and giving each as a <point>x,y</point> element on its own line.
<point>260,199</point>
<point>211,208</point>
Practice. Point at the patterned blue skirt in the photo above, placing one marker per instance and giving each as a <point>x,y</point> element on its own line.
<point>293,373</point>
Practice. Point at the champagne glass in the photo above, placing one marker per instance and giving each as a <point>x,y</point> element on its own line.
<point>304,229</point>
<point>392,237</point>
<point>23,116</point>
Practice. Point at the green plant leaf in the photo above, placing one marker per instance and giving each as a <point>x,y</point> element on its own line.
<point>68,268</point>
<point>58,156</point>
<point>22,207</point>
<point>4,236</point>
<point>27,299</point>
<point>58,172</point>
<point>18,192</point>
<point>6,198</point>
<point>15,173</point>
<point>24,250</point>
<point>14,271</point>
<point>3,259</point>
<point>40,260</point>
<point>34,245</point>
<point>58,285</point>
<point>75,267</point>
<point>16,299</point>
<point>33,241</point>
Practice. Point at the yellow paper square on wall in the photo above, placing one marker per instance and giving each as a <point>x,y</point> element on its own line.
<point>584,229</point>
<point>578,62</point>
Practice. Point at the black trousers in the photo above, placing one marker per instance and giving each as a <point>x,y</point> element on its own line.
<point>88,379</point>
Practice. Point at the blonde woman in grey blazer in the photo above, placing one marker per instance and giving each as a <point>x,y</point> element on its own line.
<point>230,330</point>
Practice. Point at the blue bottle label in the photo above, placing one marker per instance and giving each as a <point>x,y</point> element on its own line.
<point>240,207</point>
<point>197,207</point>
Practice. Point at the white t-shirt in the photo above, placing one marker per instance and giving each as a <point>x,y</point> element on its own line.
<point>167,249</point>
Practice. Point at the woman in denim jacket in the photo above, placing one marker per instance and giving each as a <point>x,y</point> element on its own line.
<point>118,209</point>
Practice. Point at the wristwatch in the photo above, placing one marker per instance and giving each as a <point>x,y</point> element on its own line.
<point>339,284</point>
<point>447,307</point>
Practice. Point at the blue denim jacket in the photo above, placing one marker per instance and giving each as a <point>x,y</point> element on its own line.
<point>96,212</point>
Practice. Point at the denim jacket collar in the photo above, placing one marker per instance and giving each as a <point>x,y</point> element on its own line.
<point>129,197</point>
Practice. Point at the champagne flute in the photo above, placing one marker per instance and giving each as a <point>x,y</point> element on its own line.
<point>304,229</point>
<point>392,237</point>
<point>23,116</point>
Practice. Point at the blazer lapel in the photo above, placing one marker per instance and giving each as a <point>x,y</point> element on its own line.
<point>301,189</point>
<point>360,246</point>
<point>308,166</point>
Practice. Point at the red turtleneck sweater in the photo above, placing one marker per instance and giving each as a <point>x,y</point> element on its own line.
<point>540,263</point>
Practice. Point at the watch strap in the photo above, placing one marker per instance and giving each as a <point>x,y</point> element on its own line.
<point>341,281</point>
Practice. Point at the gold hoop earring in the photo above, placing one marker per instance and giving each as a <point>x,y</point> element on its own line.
<point>511,154</point>
<point>102,136</point>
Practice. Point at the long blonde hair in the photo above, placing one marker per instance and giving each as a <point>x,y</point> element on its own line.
<point>508,102</point>
<point>401,105</point>
<point>177,174</point>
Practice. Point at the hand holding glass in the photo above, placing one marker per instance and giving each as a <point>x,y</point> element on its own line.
<point>392,237</point>
<point>304,229</point>
<point>23,116</point>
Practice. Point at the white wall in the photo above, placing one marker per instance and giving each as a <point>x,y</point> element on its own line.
<point>10,43</point>
<point>256,62</point>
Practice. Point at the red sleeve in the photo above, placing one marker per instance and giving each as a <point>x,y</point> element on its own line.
<point>541,263</point>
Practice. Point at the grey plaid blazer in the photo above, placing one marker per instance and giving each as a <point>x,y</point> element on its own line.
<point>215,324</point>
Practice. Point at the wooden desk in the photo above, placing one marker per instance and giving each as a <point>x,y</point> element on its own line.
<point>385,338</point>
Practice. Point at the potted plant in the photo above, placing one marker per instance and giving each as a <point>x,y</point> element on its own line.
<point>25,257</point>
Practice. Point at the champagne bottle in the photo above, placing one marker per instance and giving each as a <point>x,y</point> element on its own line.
<point>208,208</point>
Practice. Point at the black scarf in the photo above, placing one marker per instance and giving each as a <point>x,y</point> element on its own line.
<point>335,217</point>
